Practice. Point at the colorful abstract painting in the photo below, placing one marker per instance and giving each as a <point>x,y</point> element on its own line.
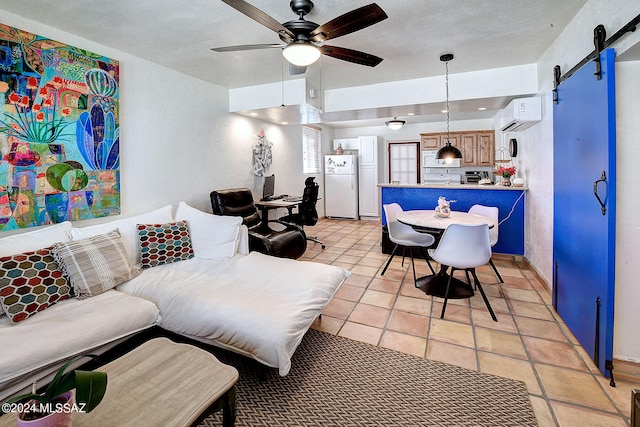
<point>59,132</point>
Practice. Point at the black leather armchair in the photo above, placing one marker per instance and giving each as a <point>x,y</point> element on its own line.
<point>290,242</point>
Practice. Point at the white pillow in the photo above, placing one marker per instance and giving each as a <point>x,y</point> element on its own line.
<point>212,236</point>
<point>33,240</point>
<point>127,229</point>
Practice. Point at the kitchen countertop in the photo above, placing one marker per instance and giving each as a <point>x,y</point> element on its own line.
<point>455,186</point>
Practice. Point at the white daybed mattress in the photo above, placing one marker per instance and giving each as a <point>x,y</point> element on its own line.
<point>256,305</point>
<point>42,343</point>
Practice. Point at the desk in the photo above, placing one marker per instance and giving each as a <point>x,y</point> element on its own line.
<point>266,205</point>
<point>426,221</point>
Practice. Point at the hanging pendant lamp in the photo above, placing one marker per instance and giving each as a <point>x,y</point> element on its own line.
<point>395,124</point>
<point>448,152</point>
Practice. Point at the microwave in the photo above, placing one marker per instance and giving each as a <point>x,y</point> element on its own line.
<point>430,160</point>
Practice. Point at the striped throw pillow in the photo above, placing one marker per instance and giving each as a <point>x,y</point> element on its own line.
<point>95,264</point>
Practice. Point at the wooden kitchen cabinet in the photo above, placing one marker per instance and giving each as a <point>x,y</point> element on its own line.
<point>468,147</point>
<point>486,148</point>
<point>435,141</point>
<point>430,141</point>
<point>477,147</point>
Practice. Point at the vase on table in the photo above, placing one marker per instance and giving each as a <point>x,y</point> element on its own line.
<point>506,181</point>
<point>443,211</point>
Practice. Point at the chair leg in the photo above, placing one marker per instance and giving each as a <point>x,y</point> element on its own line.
<point>484,296</point>
<point>446,293</point>
<point>466,272</point>
<point>393,252</point>
<point>404,253</point>
<point>413,267</point>
<point>315,239</point>
<point>496,270</point>
<point>427,258</point>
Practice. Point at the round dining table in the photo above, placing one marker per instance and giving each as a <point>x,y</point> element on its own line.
<point>426,221</point>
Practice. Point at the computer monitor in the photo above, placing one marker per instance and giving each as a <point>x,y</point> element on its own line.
<point>269,186</point>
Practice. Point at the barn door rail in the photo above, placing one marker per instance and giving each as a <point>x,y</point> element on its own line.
<point>600,43</point>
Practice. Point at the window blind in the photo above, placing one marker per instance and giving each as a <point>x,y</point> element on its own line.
<point>311,141</point>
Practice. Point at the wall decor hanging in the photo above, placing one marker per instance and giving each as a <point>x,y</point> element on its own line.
<point>59,132</point>
<point>262,156</point>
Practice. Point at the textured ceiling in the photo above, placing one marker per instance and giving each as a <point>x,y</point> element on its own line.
<point>482,34</point>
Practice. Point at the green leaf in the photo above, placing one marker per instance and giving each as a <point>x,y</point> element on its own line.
<point>90,388</point>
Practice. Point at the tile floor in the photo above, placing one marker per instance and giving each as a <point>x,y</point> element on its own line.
<point>529,343</point>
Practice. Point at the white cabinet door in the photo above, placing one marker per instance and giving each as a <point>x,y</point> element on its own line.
<point>368,150</point>
<point>369,203</point>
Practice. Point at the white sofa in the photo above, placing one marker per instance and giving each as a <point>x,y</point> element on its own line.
<point>256,305</point>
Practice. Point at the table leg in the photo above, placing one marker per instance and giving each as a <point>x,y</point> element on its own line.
<point>229,408</point>
<point>264,221</point>
<point>436,285</point>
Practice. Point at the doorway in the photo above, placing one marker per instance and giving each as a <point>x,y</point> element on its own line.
<point>404,162</point>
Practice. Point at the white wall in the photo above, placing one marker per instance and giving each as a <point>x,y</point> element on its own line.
<point>626,345</point>
<point>178,141</point>
<point>575,42</point>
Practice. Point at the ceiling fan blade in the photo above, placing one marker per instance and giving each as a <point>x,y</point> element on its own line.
<point>350,55</point>
<point>247,47</point>
<point>294,70</point>
<point>352,21</point>
<point>260,17</point>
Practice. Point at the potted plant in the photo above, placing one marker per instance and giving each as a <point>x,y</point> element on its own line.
<point>506,173</point>
<point>54,406</point>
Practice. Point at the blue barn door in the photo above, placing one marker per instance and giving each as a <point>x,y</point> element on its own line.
<point>584,207</point>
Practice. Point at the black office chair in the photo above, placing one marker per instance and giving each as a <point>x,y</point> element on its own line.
<point>307,213</point>
<point>287,243</point>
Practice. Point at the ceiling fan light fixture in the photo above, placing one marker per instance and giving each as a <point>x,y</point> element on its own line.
<point>395,124</point>
<point>301,53</point>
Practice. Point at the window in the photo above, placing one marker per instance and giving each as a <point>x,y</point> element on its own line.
<point>311,138</point>
<point>404,162</point>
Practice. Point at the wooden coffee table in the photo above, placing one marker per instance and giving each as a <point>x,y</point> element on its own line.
<point>162,383</point>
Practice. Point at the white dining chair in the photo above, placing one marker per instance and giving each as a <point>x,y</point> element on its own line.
<point>405,236</point>
<point>464,247</point>
<point>491,212</point>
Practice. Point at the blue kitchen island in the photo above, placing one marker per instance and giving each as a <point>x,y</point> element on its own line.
<point>509,201</point>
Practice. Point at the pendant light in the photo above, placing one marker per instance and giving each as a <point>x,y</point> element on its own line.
<point>395,124</point>
<point>448,152</point>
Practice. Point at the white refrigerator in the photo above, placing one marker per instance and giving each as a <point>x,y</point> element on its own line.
<point>341,186</point>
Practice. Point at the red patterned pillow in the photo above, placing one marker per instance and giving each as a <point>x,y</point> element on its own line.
<point>30,282</point>
<point>164,243</point>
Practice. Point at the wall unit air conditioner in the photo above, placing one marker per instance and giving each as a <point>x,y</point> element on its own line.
<point>520,114</point>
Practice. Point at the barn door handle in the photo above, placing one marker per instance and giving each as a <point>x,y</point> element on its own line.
<point>603,178</point>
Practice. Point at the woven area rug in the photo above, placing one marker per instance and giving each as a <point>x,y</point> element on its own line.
<point>336,381</point>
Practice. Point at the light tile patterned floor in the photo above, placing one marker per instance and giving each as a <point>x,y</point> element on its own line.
<point>529,343</point>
